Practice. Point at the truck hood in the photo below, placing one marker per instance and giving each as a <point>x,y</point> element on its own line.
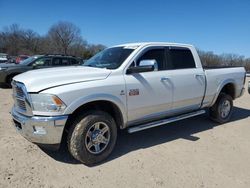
<point>37,80</point>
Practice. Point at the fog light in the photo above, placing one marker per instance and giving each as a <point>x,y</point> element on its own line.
<point>39,130</point>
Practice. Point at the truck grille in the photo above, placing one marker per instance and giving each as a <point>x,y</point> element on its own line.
<point>20,96</point>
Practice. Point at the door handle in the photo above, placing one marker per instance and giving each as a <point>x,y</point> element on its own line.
<point>200,78</point>
<point>164,79</point>
<point>199,75</point>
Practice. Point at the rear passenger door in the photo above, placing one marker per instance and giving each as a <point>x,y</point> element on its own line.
<point>56,62</point>
<point>188,80</point>
<point>65,62</point>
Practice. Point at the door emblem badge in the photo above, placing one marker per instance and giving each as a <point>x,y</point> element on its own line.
<point>134,92</point>
<point>122,92</point>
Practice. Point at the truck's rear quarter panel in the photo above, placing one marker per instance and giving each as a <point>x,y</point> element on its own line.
<point>218,78</point>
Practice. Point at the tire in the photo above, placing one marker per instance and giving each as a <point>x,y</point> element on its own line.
<point>84,132</point>
<point>9,80</point>
<point>221,111</point>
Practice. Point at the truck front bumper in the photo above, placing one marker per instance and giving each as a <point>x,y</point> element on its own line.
<point>45,131</point>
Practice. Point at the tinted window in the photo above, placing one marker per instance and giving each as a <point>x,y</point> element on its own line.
<point>44,61</point>
<point>74,62</point>
<point>65,61</point>
<point>181,58</point>
<point>28,61</point>
<point>155,54</point>
<point>57,62</point>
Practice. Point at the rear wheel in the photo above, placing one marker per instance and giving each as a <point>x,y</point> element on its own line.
<point>92,137</point>
<point>221,111</point>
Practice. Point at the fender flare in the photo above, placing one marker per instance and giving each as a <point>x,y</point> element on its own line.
<point>98,97</point>
<point>221,86</point>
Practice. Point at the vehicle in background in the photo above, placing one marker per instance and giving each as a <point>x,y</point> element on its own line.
<point>21,58</point>
<point>8,71</point>
<point>131,86</point>
<point>249,87</point>
<point>11,59</point>
<point>3,58</point>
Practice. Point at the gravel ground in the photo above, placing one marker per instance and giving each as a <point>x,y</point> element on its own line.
<point>190,153</point>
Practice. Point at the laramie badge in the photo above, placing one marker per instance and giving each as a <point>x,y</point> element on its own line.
<point>133,92</point>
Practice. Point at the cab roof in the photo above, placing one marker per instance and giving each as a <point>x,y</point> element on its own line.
<point>141,44</point>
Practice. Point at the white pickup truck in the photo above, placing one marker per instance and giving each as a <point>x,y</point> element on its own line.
<point>132,86</point>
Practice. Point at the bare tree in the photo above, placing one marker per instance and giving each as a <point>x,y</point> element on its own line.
<point>12,38</point>
<point>209,59</point>
<point>63,35</point>
<point>30,42</point>
<point>2,43</point>
<point>92,49</point>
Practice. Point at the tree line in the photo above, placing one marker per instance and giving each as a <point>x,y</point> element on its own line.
<point>209,59</point>
<point>65,38</point>
<point>61,38</point>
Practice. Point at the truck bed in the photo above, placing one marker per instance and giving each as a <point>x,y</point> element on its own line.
<point>220,67</point>
<point>220,76</point>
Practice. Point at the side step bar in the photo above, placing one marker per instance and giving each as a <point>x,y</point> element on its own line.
<point>165,121</point>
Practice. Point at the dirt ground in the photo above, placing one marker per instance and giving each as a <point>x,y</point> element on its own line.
<point>190,153</point>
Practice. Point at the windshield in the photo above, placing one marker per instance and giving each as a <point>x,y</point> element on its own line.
<point>28,60</point>
<point>110,58</point>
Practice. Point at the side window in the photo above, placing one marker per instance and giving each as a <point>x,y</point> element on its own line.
<point>154,54</point>
<point>65,62</point>
<point>56,62</point>
<point>44,61</point>
<point>74,62</point>
<point>181,58</point>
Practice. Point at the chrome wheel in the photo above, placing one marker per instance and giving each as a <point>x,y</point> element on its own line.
<point>97,137</point>
<point>225,108</point>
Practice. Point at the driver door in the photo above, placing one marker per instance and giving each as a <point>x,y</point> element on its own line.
<point>149,94</point>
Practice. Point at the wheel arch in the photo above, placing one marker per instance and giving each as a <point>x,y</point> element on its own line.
<point>114,107</point>
<point>13,74</point>
<point>227,87</point>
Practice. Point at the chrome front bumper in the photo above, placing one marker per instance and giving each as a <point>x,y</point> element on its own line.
<point>40,129</point>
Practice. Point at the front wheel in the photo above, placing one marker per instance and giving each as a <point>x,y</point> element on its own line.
<point>92,137</point>
<point>221,111</point>
<point>9,80</point>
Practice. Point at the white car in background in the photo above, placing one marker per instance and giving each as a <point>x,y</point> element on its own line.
<point>3,58</point>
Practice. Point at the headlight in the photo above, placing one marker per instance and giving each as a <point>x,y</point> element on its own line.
<point>46,103</point>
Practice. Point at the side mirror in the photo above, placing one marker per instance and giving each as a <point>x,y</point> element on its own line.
<point>144,66</point>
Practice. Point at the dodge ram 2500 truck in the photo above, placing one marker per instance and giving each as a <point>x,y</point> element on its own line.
<point>132,86</point>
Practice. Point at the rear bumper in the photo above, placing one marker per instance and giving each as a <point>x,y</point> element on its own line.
<point>39,129</point>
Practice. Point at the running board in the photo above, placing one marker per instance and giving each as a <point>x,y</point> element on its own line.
<point>164,121</point>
